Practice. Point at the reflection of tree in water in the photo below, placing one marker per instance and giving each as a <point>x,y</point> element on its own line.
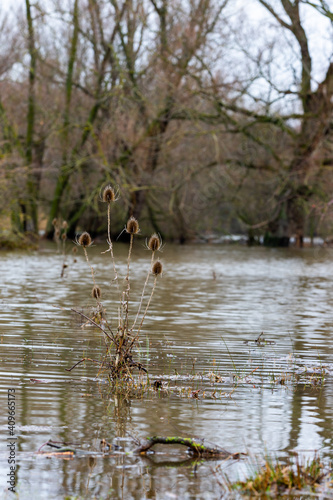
<point>307,404</point>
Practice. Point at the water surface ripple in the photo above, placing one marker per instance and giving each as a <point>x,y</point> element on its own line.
<point>209,307</point>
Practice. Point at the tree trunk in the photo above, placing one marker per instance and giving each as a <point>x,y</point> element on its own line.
<point>31,203</point>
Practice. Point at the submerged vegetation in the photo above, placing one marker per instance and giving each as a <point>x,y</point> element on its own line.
<point>120,338</point>
<point>275,479</point>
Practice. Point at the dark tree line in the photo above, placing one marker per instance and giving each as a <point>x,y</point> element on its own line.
<point>207,124</point>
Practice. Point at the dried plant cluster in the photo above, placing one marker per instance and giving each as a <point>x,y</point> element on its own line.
<point>122,337</point>
<point>277,480</point>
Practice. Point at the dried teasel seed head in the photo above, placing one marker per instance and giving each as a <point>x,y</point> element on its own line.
<point>64,236</point>
<point>154,242</point>
<point>64,224</point>
<point>108,195</point>
<point>157,268</point>
<point>132,226</point>
<point>85,240</point>
<point>96,292</point>
<point>55,222</point>
<point>57,233</point>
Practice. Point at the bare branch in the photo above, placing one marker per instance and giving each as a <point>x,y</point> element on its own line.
<point>275,14</point>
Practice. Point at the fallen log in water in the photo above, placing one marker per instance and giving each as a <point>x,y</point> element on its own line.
<point>196,446</point>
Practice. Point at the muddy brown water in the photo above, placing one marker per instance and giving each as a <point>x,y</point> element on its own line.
<point>273,397</point>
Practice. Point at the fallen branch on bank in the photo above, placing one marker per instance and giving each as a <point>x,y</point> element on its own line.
<point>196,446</point>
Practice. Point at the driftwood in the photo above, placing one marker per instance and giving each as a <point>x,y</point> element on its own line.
<point>196,446</point>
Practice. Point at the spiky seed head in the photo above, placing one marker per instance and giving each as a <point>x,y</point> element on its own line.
<point>55,222</point>
<point>132,226</point>
<point>85,240</point>
<point>64,236</point>
<point>64,224</point>
<point>57,233</point>
<point>154,242</point>
<point>108,195</point>
<point>96,292</point>
<point>157,268</point>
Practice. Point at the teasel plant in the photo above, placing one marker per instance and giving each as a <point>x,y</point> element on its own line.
<point>60,237</point>
<point>122,337</point>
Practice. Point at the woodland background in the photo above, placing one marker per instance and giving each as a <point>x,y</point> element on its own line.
<point>212,117</point>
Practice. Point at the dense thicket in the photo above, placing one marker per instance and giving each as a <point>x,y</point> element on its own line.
<point>209,116</point>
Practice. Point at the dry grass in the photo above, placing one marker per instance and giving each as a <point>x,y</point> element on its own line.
<point>273,479</point>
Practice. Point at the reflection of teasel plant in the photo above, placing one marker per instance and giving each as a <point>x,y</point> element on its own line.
<point>121,338</point>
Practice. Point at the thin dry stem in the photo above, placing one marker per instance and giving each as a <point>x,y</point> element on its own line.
<point>93,276</point>
<point>109,226</point>
<point>110,337</point>
<point>91,268</point>
<point>143,317</point>
<point>111,248</point>
<point>148,304</point>
<point>129,255</point>
<point>143,291</point>
<point>127,292</point>
<point>81,361</point>
<point>119,317</point>
<point>95,324</point>
<point>106,354</point>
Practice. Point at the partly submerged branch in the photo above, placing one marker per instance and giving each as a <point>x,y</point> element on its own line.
<point>81,361</point>
<point>196,446</point>
<point>94,323</point>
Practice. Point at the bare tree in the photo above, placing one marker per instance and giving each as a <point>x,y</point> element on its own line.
<point>302,131</point>
<point>149,95</point>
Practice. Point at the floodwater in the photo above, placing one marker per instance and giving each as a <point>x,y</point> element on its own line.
<point>209,307</point>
